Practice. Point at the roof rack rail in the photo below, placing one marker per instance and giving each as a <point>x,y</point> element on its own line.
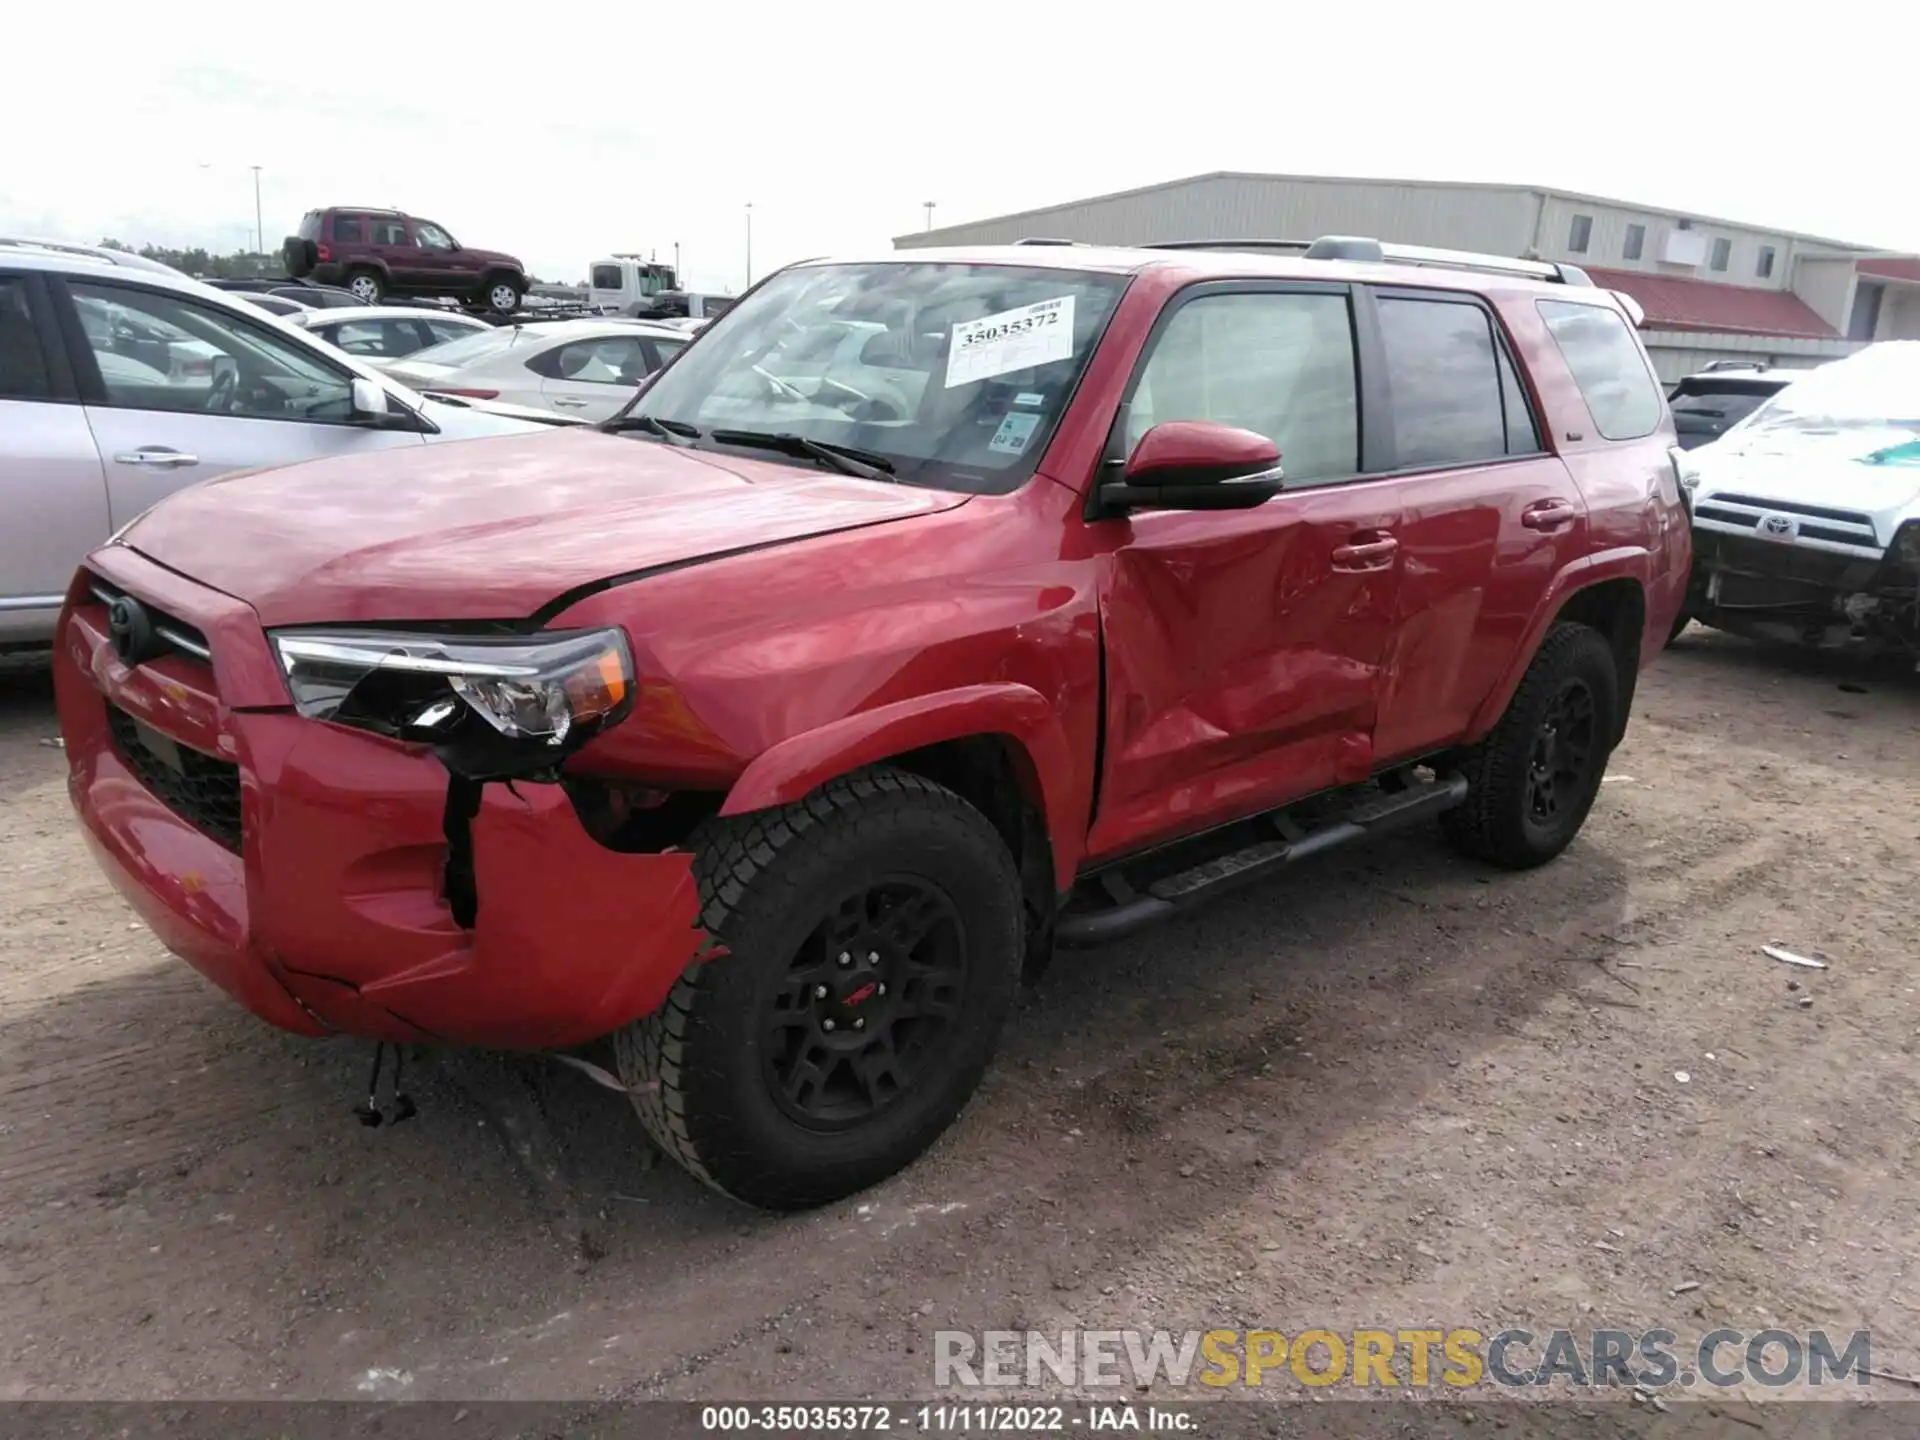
<point>1229,245</point>
<point>1367,249</point>
<point>1044,240</point>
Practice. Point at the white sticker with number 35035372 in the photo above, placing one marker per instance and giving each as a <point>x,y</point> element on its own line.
<point>1036,334</point>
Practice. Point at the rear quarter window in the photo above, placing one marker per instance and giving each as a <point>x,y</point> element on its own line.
<point>1607,365</point>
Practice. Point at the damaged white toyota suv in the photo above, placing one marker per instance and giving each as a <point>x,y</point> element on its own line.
<point>1806,515</point>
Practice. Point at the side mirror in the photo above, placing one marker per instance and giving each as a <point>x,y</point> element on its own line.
<point>1197,465</point>
<point>369,400</point>
<point>373,408</point>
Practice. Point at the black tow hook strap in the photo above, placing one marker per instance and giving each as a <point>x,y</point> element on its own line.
<point>370,1114</point>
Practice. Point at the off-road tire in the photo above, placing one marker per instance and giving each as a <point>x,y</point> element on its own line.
<point>373,277</point>
<point>1491,823</point>
<point>694,1068</point>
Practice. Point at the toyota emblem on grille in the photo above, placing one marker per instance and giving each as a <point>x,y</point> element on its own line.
<point>1777,524</point>
<point>130,629</point>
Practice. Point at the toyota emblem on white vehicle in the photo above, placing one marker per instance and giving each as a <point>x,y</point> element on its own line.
<point>1783,525</point>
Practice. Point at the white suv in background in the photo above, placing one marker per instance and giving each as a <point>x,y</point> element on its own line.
<point>122,380</point>
<point>1806,515</point>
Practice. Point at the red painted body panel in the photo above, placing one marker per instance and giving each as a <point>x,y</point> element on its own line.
<point>336,894</point>
<point>1247,658</point>
<point>491,529</point>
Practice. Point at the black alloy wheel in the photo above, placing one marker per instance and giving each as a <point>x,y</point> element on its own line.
<point>868,1004</point>
<point>1558,770</point>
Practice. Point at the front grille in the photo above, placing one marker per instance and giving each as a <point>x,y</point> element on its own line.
<point>1820,524</point>
<point>1793,507</point>
<point>174,633</point>
<point>201,790</point>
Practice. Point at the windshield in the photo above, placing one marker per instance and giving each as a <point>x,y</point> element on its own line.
<point>954,374</point>
<point>1852,398</point>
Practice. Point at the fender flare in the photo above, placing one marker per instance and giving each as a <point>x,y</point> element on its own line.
<point>788,770</point>
<point>1627,562</point>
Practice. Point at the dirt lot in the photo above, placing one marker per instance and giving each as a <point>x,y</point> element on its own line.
<point>1388,1089</point>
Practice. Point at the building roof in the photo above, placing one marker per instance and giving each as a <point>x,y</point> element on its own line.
<point>921,237</point>
<point>1673,302</point>
<point>1905,267</point>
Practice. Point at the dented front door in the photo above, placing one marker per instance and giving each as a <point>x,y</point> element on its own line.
<point>1244,648</point>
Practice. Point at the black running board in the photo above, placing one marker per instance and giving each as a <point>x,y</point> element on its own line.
<point>1133,910</point>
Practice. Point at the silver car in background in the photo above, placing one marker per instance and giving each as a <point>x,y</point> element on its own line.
<point>122,380</point>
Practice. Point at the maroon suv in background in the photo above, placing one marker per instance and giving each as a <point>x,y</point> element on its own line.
<point>378,253</point>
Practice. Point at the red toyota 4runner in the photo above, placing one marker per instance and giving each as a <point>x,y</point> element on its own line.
<point>923,612</point>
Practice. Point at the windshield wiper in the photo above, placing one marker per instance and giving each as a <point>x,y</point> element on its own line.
<point>675,432</point>
<point>847,459</point>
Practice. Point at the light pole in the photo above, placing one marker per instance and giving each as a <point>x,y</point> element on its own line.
<point>929,205</point>
<point>259,230</point>
<point>749,244</point>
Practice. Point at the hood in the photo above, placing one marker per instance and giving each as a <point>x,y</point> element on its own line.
<point>491,256</point>
<point>492,529</point>
<point>1830,470</point>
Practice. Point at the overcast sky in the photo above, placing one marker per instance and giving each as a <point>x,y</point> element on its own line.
<point>561,132</point>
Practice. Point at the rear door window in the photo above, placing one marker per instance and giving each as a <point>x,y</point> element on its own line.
<point>610,360</point>
<point>1450,400</point>
<point>389,232</point>
<point>1607,365</point>
<point>374,337</point>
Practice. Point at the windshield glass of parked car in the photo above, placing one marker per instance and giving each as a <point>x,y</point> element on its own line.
<point>954,374</point>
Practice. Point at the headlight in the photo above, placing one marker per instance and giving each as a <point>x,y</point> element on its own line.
<point>543,690</point>
<point>1906,544</point>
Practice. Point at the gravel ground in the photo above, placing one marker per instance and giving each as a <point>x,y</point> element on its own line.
<point>1387,1089</point>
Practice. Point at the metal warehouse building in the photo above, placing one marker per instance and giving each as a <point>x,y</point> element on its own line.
<point>1711,289</point>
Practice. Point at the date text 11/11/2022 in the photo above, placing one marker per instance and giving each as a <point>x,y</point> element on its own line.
<point>981,1419</point>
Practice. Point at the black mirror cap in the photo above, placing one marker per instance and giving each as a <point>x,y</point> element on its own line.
<point>1211,495</point>
<point>1196,465</point>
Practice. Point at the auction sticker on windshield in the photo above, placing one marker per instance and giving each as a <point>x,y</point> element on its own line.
<point>1036,334</point>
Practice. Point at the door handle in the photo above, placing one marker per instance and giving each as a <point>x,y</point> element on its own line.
<point>1547,514</point>
<point>1360,555</point>
<point>569,404</point>
<point>159,457</point>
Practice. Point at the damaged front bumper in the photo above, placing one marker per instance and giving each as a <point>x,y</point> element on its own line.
<point>304,867</point>
<point>1799,594</point>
